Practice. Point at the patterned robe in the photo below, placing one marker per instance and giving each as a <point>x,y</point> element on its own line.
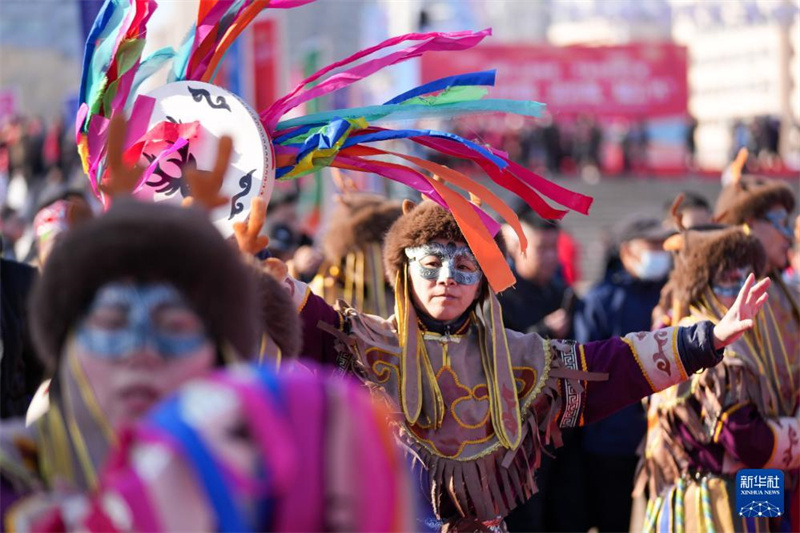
<point>741,414</point>
<point>469,471</point>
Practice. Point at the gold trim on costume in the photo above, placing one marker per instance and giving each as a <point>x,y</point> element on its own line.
<point>724,418</point>
<point>305,299</point>
<point>88,398</point>
<point>638,361</point>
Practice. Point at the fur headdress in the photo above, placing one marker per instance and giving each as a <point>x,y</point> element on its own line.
<point>752,197</point>
<point>358,219</point>
<point>146,243</point>
<point>707,251</point>
<point>420,224</point>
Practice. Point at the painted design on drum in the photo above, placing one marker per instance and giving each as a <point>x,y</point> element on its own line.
<point>162,181</point>
<point>246,183</point>
<point>201,94</point>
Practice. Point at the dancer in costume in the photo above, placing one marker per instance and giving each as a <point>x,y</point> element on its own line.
<point>739,414</point>
<point>353,267</point>
<point>477,402</point>
<point>129,306</point>
<point>762,207</point>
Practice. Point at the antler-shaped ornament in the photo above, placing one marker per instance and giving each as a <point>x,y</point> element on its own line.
<point>676,242</point>
<point>247,233</point>
<point>676,216</point>
<point>205,186</point>
<point>738,165</point>
<point>344,183</point>
<point>121,179</point>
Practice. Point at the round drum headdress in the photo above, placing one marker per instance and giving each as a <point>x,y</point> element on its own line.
<point>206,112</point>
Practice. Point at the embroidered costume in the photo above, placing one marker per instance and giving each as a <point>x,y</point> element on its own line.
<point>739,414</point>
<point>476,402</point>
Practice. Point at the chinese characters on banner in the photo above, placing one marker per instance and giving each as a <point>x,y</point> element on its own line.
<point>630,81</point>
<point>636,91</point>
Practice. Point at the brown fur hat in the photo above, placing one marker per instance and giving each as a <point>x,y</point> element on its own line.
<point>420,224</point>
<point>704,253</point>
<point>145,242</point>
<point>282,325</point>
<point>752,197</point>
<point>358,219</point>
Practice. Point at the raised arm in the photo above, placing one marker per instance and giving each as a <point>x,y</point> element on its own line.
<point>640,364</point>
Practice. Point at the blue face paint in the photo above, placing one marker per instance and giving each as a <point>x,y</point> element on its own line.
<point>729,283</point>
<point>779,219</point>
<point>451,261</point>
<point>126,318</point>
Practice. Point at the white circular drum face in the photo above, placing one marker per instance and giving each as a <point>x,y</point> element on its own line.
<point>251,171</point>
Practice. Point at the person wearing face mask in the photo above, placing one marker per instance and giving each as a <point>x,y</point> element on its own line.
<point>476,403</point>
<point>744,413</point>
<point>620,303</point>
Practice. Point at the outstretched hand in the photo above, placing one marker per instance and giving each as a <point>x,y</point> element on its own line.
<point>247,233</point>
<point>741,315</point>
<point>122,178</point>
<point>205,185</point>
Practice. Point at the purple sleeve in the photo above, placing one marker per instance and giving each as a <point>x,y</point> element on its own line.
<point>318,345</point>
<point>640,364</point>
<point>744,433</point>
<point>626,381</point>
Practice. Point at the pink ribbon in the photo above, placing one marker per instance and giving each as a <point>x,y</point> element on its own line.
<point>435,41</point>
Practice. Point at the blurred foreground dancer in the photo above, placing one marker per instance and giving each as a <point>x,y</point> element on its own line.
<point>249,450</point>
<point>148,297</point>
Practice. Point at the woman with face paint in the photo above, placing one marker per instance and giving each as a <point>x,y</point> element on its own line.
<point>129,306</point>
<point>740,414</point>
<point>478,402</point>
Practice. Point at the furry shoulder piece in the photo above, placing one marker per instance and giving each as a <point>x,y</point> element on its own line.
<point>144,242</point>
<point>418,225</point>
<point>752,197</point>
<point>704,253</point>
<point>358,219</point>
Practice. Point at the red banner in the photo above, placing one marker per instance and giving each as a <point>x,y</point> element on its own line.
<point>632,81</point>
<point>266,62</point>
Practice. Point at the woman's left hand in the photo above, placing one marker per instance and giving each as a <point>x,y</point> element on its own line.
<point>741,315</point>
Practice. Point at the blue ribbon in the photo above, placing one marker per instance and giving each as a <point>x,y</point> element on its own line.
<point>100,23</point>
<point>376,113</point>
<point>472,78</point>
<point>168,417</point>
<point>385,135</point>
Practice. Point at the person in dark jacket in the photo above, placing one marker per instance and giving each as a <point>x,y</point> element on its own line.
<point>20,370</point>
<point>542,302</point>
<point>622,302</point>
